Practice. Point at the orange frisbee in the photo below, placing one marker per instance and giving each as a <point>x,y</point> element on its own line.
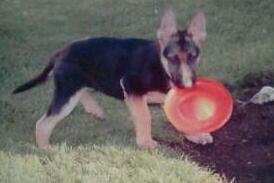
<point>203,108</point>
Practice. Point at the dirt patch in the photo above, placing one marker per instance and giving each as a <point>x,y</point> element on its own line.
<point>244,148</point>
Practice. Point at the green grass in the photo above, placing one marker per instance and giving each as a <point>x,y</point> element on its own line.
<point>240,40</point>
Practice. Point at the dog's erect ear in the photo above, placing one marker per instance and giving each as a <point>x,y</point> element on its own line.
<point>197,28</point>
<point>168,27</point>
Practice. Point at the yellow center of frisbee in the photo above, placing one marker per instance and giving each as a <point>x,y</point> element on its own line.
<point>204,109</point>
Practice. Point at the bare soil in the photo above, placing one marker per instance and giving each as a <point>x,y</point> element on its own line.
<point>244,148</point>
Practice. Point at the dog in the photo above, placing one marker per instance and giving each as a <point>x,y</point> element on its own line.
<point>138,71</point>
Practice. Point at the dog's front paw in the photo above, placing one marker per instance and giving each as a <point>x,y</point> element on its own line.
<point>148,144</point>
<point>203,138</point>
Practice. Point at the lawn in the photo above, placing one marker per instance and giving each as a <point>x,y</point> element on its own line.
<point>240,40</point>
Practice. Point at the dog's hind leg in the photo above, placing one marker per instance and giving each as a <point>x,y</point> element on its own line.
<point>91,106</point>
<point>48,121</point>
<point>66,97</point>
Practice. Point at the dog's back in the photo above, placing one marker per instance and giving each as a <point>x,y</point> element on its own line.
<point>101,63</point>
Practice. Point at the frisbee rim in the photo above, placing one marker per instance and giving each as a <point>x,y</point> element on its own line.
<point>184,125</point>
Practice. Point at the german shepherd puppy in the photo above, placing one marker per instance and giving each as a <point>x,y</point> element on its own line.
<point>137,71</point>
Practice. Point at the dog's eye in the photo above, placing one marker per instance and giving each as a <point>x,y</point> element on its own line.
<point>192,57</point>
<point>171,50</point>
<point>194,54</point>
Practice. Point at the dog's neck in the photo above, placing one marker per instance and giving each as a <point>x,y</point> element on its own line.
<point>157,48</point>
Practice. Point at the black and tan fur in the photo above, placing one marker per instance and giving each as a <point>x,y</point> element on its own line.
<point>137,71</point>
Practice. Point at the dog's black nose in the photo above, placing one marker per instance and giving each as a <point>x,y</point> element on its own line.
<point>186,84</point>
<point>179,84</point>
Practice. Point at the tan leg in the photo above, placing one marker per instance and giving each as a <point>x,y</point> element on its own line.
<point>91,106</point>
<point>140,114</point>
<point>142,121</point>
<point>155,98</point>
<point>203,138</point>
<point>46,124</point>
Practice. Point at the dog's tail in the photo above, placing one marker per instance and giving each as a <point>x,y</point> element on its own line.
<point>41,78</point>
